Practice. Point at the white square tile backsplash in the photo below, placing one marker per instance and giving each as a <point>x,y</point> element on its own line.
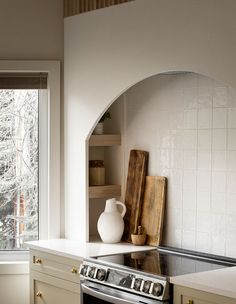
<point>203,181</point>
<point>231,118</point>
<point>219,118</point>
<point>204,159</point>
<point>203,201</point>
<point>218,182</point>
<point>204,139</point>
<point>231,203</point>
<point>220,97</point>
<point>189,121</point>
<point>231,139</point>
<point>205,118</point>
<point>219,160</point>
<point>189,199</point>
<point>189,139</point>
<point>190,159</point>
<point>219,137</point>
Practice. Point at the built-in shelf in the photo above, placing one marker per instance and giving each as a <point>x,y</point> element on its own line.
<point>105,140</point>
<point>104,191</point>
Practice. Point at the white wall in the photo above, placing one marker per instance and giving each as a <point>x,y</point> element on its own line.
<point>29,29</point>
<point>109,50</point>
<point>187,122</point>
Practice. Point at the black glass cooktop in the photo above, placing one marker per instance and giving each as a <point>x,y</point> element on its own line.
<point>168,262</point>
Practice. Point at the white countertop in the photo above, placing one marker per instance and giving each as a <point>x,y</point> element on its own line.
<point>76,250</point>
<point>220,281</point>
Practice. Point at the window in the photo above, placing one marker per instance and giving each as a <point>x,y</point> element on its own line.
<point>29,153</point>
<point>19,162</point>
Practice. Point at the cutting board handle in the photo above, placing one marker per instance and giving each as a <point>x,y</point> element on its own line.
<point>123,206</point>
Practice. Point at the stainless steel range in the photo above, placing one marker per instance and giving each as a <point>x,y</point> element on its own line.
<point>141,277</point>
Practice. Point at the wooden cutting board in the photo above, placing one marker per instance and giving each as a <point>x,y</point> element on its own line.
<point>134,191</point>
<point>153,208</point>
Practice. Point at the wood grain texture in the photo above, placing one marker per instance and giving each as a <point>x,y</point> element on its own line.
<point>75,7</point>
<point>135,184</point>
<point>106,191</point>
<point>105,140</point>
<point>153,208</point>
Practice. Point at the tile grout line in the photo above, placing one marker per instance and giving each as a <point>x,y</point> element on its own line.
<point>227,172</point>
<point>196,169</point>
<point>211,232</point>
<point>182,188</point>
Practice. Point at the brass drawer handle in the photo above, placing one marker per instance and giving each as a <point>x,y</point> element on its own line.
<point>189,302</point>
<point>39,294</point>
<point>38,261</point>
<point>74,270</point>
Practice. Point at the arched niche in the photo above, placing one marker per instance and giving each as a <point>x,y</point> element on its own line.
<point>186,121</point>
<point>110,50</point>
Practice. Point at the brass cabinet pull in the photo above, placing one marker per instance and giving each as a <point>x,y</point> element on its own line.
<point>38,261</point>
<point>189,302</point>
<point>74,270</point>
<point>39,294</point>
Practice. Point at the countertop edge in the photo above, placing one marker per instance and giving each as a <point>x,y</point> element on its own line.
<point>55,251</point>
<point>198,282</point>
<point>77,250</point>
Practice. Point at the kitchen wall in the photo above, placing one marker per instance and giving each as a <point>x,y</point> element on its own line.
<point>187,122</point>
<point>107,51</point>
<point>29,30</point>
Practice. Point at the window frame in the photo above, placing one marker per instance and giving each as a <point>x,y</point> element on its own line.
<point>49,149</point>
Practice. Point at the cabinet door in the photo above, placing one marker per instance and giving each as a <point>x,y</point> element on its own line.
<point>191,300</point>
<point>56,266</point>
<point>185,295</point>
<point>46,289</point>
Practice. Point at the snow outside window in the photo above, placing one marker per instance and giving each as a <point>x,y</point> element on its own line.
<point>19,167</point>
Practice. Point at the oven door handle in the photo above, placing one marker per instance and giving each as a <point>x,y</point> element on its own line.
<point>104,297</point>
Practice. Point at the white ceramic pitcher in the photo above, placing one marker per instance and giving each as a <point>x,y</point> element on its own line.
<point>110,223</point>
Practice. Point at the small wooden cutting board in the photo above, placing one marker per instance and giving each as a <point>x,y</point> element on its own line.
<point>134,191</point>
<point>153,208</point>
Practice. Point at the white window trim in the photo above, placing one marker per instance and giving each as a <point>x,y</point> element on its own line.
<point>49,210</point>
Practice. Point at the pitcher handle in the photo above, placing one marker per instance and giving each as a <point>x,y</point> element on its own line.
<point>123,206</point>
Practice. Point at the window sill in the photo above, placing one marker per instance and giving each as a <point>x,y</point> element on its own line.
<point>14,267</point>
<point>14,262</point>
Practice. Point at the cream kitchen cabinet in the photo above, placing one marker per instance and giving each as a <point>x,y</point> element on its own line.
<point>185,295</point>
<point>53,279</point>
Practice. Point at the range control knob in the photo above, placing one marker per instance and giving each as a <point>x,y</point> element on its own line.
<point>83,270</point>
<point>101,274</point>
<point>146,286</point>
<point>137,284</point>
<point>91,272</point>
<point>157,289</point>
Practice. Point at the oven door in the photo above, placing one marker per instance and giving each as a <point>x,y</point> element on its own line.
<point>92,293</point>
